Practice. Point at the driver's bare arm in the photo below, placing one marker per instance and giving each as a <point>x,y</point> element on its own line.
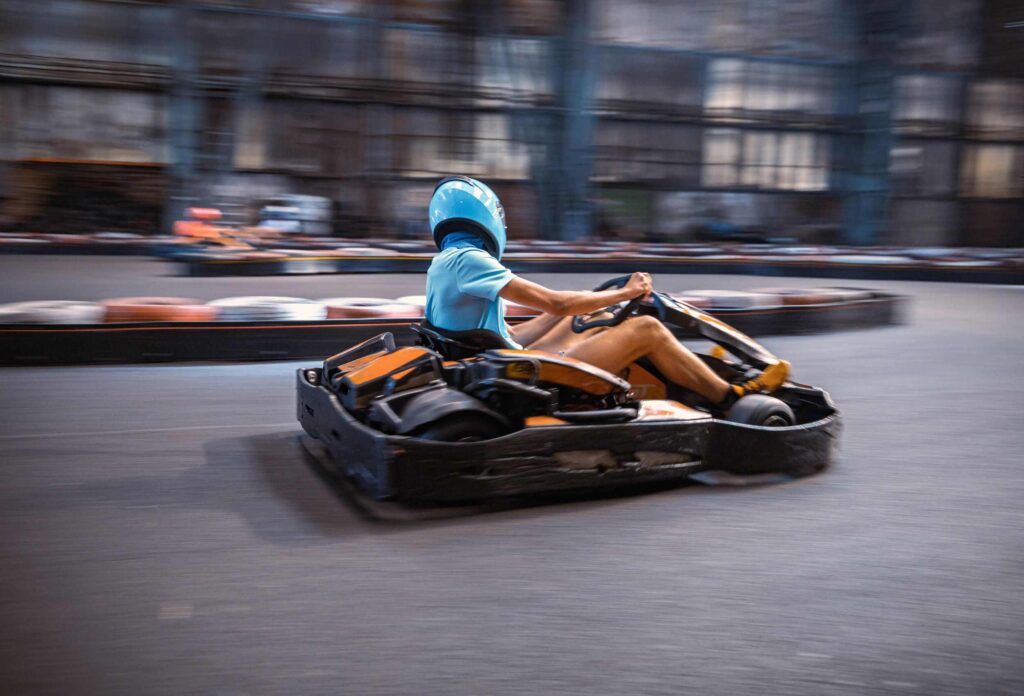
<point>565,303</point>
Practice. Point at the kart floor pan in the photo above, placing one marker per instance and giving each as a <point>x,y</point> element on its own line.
<point>564,458</point>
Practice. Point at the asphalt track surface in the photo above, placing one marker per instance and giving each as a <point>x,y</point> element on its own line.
<point>161,532</point>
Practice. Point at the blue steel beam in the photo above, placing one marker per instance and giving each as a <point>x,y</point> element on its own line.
<point>575,154</point>
<point>866,181</point>
<point>185,120</point>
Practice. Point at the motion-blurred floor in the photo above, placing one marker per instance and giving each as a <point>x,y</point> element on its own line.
<point>163,534</point>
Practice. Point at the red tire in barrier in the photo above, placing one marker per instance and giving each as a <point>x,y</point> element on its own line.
<point>135,309</point>
<point>369,308</point>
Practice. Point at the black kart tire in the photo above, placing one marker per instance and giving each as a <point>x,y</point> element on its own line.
<point>763,410</point>
<point>461,427</point>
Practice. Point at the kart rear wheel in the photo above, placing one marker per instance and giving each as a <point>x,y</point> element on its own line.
<point>763,410</point>
<point>461,427</point>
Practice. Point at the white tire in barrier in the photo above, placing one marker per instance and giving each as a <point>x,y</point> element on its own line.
<point>23,240</point>
<point>417,300</point>
<point>698,302</point>
<point>964,263</point>
<point>51,312</point>
<point>850,294</point>
<point>261,308</point>
<point>115,236</point>
<point>803,296</point>
<point>870,260</point>
<point>736,299</point>
<point>363,251</point>
<point>369,307</point>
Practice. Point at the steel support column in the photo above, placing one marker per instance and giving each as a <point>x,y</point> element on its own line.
<point>866,185</point>
<point>577,79</point>
<point>185,117</point>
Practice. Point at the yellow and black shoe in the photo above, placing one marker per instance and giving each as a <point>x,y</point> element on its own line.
<point>773,377</point>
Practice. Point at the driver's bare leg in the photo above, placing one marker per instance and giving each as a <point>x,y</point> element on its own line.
<point>534,328</point>
<point>560,337</point>
<point>617,347</point>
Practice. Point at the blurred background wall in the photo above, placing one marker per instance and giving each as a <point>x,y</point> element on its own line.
<point>865,122</point>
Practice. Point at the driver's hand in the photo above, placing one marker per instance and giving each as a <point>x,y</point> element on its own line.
<point>640,285</point>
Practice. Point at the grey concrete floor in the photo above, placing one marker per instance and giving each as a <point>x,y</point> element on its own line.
<point>161,533</point>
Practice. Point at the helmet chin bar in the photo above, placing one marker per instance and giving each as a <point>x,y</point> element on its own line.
<point>461,225</point>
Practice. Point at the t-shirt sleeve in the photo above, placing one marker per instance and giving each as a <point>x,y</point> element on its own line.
<point>479,274</point>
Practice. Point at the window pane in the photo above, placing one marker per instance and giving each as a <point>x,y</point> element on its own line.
<point>991,171</point>
<point>725,85</point>
<point>997,109</point>
<point>721,152</point>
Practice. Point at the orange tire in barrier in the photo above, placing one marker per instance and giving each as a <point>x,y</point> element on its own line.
<point>369,308</point>
<point>133,309</point>
<point>203,213</point>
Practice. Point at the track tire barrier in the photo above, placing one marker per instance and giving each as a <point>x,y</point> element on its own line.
<point>418,300</point>
<point>736,299</point>
<point>369,307</point>
<point>51,312</point>
<point>698,302</point>
<point>803,296</point>
<point>266,308</point>
<point>274,331</point>
<point>840,294</point>
<point>136,309</point>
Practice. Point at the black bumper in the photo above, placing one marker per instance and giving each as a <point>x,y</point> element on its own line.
<point>565,458</point>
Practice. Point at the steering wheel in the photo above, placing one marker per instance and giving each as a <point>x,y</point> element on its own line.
<point>619,315</point>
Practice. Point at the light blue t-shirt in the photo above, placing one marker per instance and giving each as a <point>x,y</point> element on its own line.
<point>463,283</point>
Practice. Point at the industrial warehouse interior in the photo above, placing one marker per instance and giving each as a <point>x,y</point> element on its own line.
<point>511,347</point>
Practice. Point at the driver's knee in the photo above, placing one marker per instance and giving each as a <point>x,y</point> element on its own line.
<point>646,326</point>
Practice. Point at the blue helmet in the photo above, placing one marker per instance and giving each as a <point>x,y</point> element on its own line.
<point>461,204</point>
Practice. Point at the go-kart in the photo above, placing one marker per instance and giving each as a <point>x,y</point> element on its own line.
<point>462,417</point>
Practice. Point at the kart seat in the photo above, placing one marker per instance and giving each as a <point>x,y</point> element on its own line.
<point>457,345</point>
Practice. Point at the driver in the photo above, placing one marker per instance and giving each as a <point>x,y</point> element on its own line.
<point>467,286</point>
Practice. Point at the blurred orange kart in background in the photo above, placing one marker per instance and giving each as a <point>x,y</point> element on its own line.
<point>198,226</point>
<point>461,417</point>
